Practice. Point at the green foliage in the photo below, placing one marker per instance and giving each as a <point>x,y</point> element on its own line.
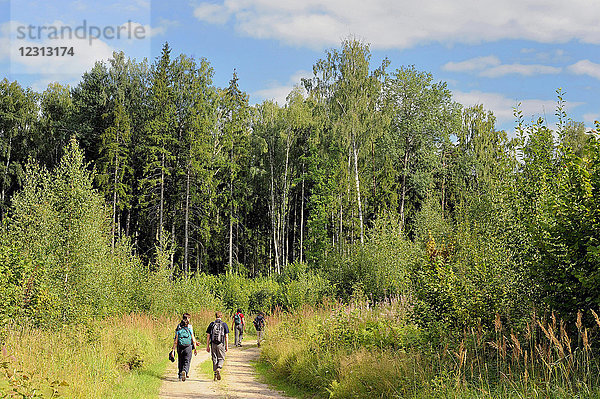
<point>17,383</point>
<point>17,120</point>
<point>380,268</point>
<point>318,350</point>
<point>61,229</point>
<point>569,240</point>
<point>363,350</point>
<point>232,291</point>
<point>464,280</point>
<point>264,295</point>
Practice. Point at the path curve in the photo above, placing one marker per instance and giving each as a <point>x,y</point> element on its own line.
<point>239,379</point>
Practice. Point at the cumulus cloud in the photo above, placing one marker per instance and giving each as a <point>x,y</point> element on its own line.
<point>146,31</point>
<point>85,53</point>
<point>84,58</point>
<point>491,67</point>
<point>503,107</point>
<point>585,67</point>
<point>213,13</point>
<point>278,92</point>
<point>163,26</point>
<point>404,23</point>
<point>473,64</point>
<point>519,69</point>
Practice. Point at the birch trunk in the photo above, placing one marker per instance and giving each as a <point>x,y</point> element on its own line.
<point>186,225</point>
<point>357,180</point>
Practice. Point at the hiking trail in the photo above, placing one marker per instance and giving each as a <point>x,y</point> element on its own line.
<point>239,379</point>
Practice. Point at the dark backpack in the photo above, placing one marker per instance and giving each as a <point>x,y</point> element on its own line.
<point>184,337</point>
<point>237,319</point>
<point>217,334</point>
<point>259,323</point>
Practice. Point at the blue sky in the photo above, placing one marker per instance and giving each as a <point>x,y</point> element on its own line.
<point>494,52</point>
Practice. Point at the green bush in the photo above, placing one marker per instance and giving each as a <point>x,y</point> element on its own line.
<point>234,291</point>
<point>380,268</point>
<point>265,295</point>
<point>67,269</point>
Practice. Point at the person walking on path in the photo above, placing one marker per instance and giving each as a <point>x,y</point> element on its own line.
<point>189,319</point>
<point>238,320</point>
<point>217,342</point>
<point>184,343</point>
<point>259,325</point>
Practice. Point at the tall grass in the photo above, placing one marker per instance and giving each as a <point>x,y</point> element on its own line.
<point>359,350</point>
<point>120,357</point>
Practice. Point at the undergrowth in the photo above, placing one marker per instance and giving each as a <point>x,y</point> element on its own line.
<point>359,350</point>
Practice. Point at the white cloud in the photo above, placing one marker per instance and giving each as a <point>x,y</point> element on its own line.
<point>85,54</point>
<point>87,51</point>
<point>84,58</point>
<point>473,64</point>
<point>491,67</point>
<point>213,13</point>
<point>585,67</point>
<point>146,31</point>
<point>162,27</point>
<point>404,23</point>
<point>519,69</point>
<point>279,92</point>
<point>503,107</point>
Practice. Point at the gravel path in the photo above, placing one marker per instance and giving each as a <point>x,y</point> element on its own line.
<point>239,379</point>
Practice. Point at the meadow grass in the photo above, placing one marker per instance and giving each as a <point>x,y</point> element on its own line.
<point>206,368</point>
<point>265,372</point>
<point>360,350</point>
<point>121,357</point>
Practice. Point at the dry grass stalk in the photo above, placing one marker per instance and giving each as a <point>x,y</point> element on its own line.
<point>596,317</point>
<point>517,346</point>
<point>497,323</point>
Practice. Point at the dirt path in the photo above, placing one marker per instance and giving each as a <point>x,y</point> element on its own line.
<point>197,386</point>
<point>239,379</point>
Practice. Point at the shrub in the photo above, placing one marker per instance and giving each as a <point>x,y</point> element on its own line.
<point>68,269</point>
<point>379,268</point>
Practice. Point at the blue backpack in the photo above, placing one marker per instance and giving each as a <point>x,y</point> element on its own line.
<point>184,337</point>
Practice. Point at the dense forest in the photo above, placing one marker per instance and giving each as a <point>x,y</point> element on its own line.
<point>370,185</point>
<point>375,179</point>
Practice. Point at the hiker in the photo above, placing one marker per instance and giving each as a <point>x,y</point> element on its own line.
<point>259,325</point>
<point>217,343</point>
<point>189,319</point>
<point>185,343</point>
<point>179,326</point>
<point>238,320</point>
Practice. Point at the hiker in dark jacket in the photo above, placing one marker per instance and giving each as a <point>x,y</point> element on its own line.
<point>259,325</point>
<point>185,343</point>
<point>217,343</point>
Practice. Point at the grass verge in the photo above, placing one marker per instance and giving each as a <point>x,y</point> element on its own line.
<point>266,376</point>
<point>121,357</point>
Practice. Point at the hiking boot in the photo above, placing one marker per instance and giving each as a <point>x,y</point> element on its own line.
<point>258,344</point>
<point>218,374</point>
